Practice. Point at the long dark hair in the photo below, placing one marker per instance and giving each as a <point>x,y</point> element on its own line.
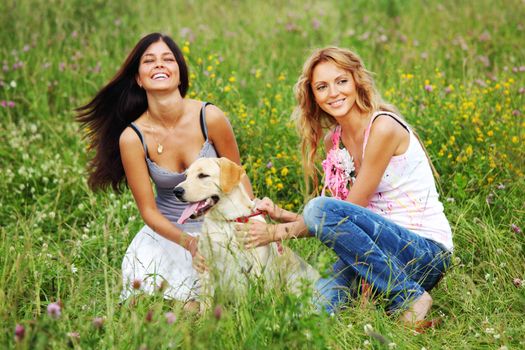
<point>114,107</point>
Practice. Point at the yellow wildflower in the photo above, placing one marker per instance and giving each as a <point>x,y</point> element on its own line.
<point>468,151</point>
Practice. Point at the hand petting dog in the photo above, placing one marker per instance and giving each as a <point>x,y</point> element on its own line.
<point>256,234</point>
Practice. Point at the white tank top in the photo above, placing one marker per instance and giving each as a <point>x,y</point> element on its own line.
<point>407,192</point>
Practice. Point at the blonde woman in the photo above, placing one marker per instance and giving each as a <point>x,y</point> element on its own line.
<point>384,219</point>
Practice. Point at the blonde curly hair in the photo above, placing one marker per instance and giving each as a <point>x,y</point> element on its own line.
<point>312,121</point>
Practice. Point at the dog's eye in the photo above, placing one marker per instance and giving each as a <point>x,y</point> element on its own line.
<point>202,176</point>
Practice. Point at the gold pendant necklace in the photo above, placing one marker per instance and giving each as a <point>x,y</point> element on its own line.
<point>160,147</point>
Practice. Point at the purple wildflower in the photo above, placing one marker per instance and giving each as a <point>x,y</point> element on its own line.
<point>490,198</point>
<point>20,332</point>
<point>74,336</point>
<point>149,316</point>
<point>515,228</point>
<point>3,103</point>
<point>269,165</point>
<point>291,27</point>
<point>316,24</point>
<point>485,60</point>
<point>481,83</point>
<point>96,69</point>
<point>217,312</point>
<point>485,36</point>
<point>516,112</point>
<point>187,34</point>
<point>54,310</point>
<point>518,282</point>
<point>170,317</point>
<point>10,104</point>
<point>429,88</point>
<point>98,322</point>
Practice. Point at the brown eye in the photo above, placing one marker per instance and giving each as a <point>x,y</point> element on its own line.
<point>202,176</point>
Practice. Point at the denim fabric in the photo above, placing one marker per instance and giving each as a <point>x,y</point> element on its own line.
<point>398,263</point>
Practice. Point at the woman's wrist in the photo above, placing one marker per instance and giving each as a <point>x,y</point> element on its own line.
<point>188,242</point>
<point>292,229</point>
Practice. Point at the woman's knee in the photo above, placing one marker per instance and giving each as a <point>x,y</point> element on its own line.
<point>315,212</point>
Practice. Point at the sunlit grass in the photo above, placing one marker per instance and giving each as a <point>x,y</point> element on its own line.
<point>455,70</point>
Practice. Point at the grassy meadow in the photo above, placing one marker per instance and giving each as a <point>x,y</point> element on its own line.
<point>455,69</point>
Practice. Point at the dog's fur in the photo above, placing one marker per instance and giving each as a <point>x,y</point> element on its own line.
<point>218,182</point>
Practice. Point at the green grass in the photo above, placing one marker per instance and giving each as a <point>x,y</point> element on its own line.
<point>60,241</point>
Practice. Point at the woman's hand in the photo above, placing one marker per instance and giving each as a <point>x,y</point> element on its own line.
<point>199,263</point>
<point>267,206</point>
<point>191,244</point>
<point>256,234</point>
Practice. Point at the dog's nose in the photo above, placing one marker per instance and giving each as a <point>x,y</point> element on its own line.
<point>179,192</point>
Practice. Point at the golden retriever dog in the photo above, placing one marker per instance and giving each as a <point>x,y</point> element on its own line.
<point>213,188</point>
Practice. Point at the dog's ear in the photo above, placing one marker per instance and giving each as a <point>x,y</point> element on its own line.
<point>231,174</point>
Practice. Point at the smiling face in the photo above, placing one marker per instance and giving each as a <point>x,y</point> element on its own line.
<point>158,69</point>
<point>334,89</point>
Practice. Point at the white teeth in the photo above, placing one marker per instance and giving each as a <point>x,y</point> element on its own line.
<point>160,76</point>
<point>337,103</point>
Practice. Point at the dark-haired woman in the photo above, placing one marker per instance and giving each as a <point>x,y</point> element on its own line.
<point>141,127</point>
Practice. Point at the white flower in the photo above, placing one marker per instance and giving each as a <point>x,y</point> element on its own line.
<point>346,161</point>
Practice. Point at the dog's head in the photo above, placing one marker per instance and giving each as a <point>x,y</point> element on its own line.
<point>208,180</point>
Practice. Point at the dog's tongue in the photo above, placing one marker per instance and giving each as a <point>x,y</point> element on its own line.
<point>191,209</point>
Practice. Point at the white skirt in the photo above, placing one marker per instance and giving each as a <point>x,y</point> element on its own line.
<point>153,262</point>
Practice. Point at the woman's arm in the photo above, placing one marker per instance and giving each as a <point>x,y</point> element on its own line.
<point>256,234</point>
<point>221,135</point>
<point>137,176</point>
<point>387,138</point>
<point>275,212</point>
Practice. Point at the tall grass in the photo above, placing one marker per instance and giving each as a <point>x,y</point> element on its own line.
<point>455,69</point>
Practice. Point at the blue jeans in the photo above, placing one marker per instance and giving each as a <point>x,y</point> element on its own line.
<point>397,263</point>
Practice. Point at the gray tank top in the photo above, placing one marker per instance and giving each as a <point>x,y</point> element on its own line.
<point>165,180</point>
